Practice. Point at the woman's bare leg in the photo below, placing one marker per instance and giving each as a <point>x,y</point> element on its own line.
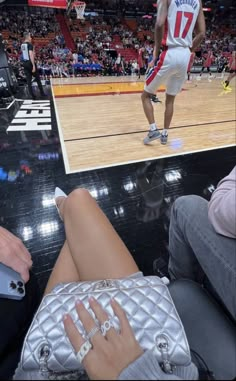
<point>96,249</point>
<point>64,270</point>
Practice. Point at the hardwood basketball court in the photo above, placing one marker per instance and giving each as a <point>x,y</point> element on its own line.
<point>102,124</point>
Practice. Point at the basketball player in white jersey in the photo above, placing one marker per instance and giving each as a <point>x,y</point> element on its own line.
<point>175,24</point>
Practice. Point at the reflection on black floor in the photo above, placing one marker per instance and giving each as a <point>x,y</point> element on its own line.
<point>136,198</point>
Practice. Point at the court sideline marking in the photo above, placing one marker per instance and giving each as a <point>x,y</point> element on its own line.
<point>63,146</point>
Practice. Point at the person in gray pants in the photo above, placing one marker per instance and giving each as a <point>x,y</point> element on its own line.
<point>202,240</point>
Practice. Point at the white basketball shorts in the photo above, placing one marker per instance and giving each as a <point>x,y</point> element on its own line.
<point>171,70</point>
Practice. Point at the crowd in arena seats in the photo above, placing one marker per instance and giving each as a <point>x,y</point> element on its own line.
<point>97,37</point>
<point>97,42</point>
<point>16,22</point>
<point>122,5</point>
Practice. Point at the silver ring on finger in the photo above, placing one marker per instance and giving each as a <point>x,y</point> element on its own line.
<point>84,350</point>
<point>93,332</point>
<point>106,326</point>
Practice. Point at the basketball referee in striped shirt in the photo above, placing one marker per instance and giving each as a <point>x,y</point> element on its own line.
<point>28,60</point>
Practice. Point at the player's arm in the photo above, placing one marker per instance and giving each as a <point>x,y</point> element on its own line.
<point>200,29</point>
<point>162,12</point>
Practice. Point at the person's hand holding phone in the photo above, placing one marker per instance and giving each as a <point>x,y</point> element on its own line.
<point>14,254</point>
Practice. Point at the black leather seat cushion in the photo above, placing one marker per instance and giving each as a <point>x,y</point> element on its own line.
<point>210,332</point>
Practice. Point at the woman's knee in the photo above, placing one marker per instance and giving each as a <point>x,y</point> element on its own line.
<point>78,197</point>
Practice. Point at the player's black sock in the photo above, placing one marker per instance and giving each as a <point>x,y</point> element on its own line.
<point>226,83</point>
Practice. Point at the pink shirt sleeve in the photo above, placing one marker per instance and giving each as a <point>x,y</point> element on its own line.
<point>222,206</point>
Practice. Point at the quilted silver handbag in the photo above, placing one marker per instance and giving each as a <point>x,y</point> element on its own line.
<point>149,308</point>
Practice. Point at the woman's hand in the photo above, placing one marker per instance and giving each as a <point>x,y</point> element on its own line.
<point>111,354</point>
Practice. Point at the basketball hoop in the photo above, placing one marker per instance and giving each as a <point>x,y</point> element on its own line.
<point>79,6</point>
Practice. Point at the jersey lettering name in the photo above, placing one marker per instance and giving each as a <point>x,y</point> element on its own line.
<point>192,3</point>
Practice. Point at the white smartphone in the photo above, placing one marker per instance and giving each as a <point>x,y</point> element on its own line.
<point>11,284</point>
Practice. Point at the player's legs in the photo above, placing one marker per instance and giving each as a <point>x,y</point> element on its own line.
<point>173,87</point>
<point>209,73</point>
<point>38,80</point>
<point>148,107</point>
<point>169,111</point>
<point>203,68</point>
<point>209,70</point>
<point>139,72</point>
<point>154,133</point>
<point>155,77</point>
<point>231,76</point>
<point>228,80</point>
<point>93,250</point>
<point>29,74</point>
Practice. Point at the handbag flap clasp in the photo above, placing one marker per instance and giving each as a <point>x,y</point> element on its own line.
<point>104,284</point>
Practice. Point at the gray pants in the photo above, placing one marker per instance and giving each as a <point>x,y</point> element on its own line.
<point>193,241</point>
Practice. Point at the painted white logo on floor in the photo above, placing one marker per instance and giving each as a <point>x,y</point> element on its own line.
<point>32,116</point>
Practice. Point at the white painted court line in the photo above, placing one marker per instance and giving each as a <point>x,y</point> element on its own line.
<point>32,127</point>
<point>63,146</point>
<point>149,159</point>
<point>31,101</point>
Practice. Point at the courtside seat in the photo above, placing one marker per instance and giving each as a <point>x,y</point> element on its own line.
<point>210,332</point>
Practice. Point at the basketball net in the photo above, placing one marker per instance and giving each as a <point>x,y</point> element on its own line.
<point>79,6</point>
